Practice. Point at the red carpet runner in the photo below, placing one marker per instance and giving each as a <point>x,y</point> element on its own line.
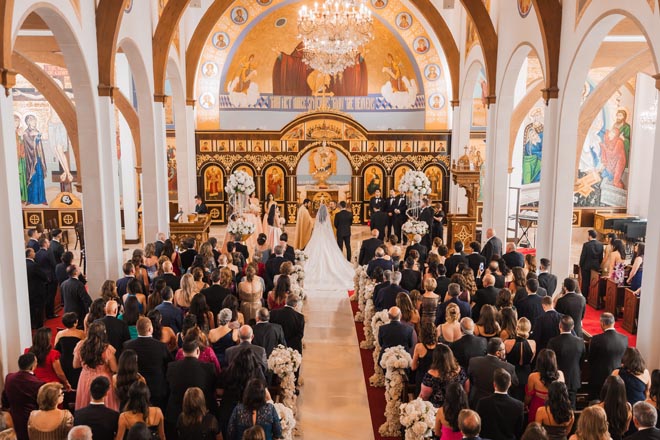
<point>591,323</point>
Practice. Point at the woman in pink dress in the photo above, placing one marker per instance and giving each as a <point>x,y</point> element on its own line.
<point>446,419</point>
<point>97,358</point>
<point>252,216</point>
<point>536,391</point>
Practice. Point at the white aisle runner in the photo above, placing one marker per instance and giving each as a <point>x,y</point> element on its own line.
<point>333,401</point>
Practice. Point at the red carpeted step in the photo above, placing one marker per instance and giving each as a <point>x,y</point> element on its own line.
<point>591,323</point>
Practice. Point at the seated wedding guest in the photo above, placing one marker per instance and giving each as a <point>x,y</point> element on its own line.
<point>127,374</point>
<point>429,302</point>
<point>139,410</point>
<point>65,342</point>
<point>468,346</point>
<point>487,326</point>
<point>538,382</point>
<point>520,353</point>
<point>49,422</point>
<point>223,337</point>
<point>277,297</point>
<point>96,311</point>
<point>379,261</point>
<point>254,410</point>
<point>183,296</point>
<point>267,334</point>
<point>570,352</point>
<point>547,280</point>
<point>396,333</point>
<point>153,358</point>
<point>443,371</point>
<point>200,310</point>
<point>634,374</point>
<point>221,280</point>
<point>480,371</point>
<point>605,353</point>
<point>502,416</point>
<point>512,257</point>
<point>292,322</point>
<point>423,353</point>
<point>452,297</point>
<point>645,417</point>
<point>250,292</point>
<point>507,318</point>
<point>386,297</point>
<point>97,358</point>
<point>163,334</point>
<point>469,423</point>
<point>172,315</point>
<point>131,315</point>
<point>546,326</point>
<point>410,278</point>
<point>409,314</point>
<point>102,420</point>
<point>592,425</point>
<point>484,296</point>
<point>109,291</point>
<point>446,419</point>
<point>74,295</point>
<point>450,330</point>
<point>245,335</point>
<point>20,393</point>
<point>556,415</point>
<point>116,329</point>
<point>237,319</point>
<point>195,421</point>
<point>48,359</point>
<point>169,276</point>
<point>654,390</point>
<point>614,402</point>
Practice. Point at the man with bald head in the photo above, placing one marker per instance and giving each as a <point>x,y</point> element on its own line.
<point>160,242</point>
<point>493,245</point>
<point>245,335</point>
<point>483,296</point>
<point>116,329</point>
<point>468,346</point>
<point>368,248</point>
<point>169,276</point>
<point>396,333</point>
<point>469,423</point>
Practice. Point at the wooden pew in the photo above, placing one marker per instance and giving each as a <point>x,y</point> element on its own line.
<point>613,297</point>
<point>630,311</point>
<point>596,291</point>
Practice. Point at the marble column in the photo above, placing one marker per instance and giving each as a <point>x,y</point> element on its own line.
<point>457,201</point>
<point>155,199</point>
<point>496,180</point>
<point>186,163</point>
<point>14,305</point>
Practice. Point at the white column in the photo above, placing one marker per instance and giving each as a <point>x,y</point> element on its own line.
<point>455,147</point>
<point>186,167</point>
<point>496,182</point>
<point>128,181</point>
<point>15,332</point>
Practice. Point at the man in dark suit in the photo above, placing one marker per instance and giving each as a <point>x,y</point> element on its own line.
<point>386,297</point>
<point>645,418</point>
<point>129,275</point>
<point>46,262</point>
<point>273,266</point>
<point>419,247</point>
<point>390,205</point>
<point>530,306</point>
<point>469,424</point>
<point>572,304</point>
<point>546,326</point>
<point>184,374</point>
<point>378,221</point>
<point>115,329</point>
<point>368,248</point>
<point>410,279</point>
<point>442,282</point>
<point>591,258</point>
<point>475,260</point>
<point>292,322</point>
<point>169,277</point>
<point>426,216</point>
<point>570,352</point>
<point>215,294</point>
<point>395,333</point>
<point>33,240</point>
<point>153,358</point>
<point>37,282</point>
<point>289,251</point>
<point>246,335</point>
<point>74,295</point>
<point>343,221</point>
<point>379,261</point>
<point>172,316</point>
<point>102,420</point>
<point>200,206</point>
<point>512,257</point>
<point>400,217</point>
<point>456,258</point>
<point>20,393</point>
<point>483,296</point>
<point>376,202</point>
<point>468,346</point>
<point>547,280</point>
<point>56,247</point>
<point>493,245</point>
<point>267,334</point>
<point>605,353</point>
<point>481,369</point>
<point>454,291</point>
<point>383,280</point>
<point>240,247</point>
<point>159,243</point>
<point>501,415</point>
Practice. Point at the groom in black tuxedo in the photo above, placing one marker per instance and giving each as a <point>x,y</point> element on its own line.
<point>343,221</point>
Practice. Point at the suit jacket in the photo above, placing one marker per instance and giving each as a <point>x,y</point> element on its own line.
<point>153,359</point>
<point>46,262</point>
<point>442,285</point>
<point>20,396</point>
<point>452,263</point>
<point>290,254</point>
<point>574,305</point>
<point>546,327</point>
<point>243,249</point>
<point>368,250</point>
<point>172,281</point>
<point>102,420</point>
<point>188,373</point>
<point>549,282</point>
<point>396,333</point>
<point>172,316</point>
<point>379,220</point>
<point>379,262</point>
<point>400,204</point>
<point>468,347</point>
<point>426,216</point>
<point>411,279</point>
<point>492,247</point>
<point>570,352</point>
<point>501,417</point>
<point>57,250</point>
<point>159,247</point>
<point>480,372</point>
<point>605,353</point>
<point>122,284</point>
<point>423,252</point>
<point>33,244</point>
<point>386,297</point>
<point>487,295</point>
<point>36,283</point>
<point>646,434</point>
<point>474,261</point>
<point>272,268</point>
<point>259,352</point>
<point>376,202</point>
<point>268,336</point>
<point>390,204</point>
<point>530,307</point>
<point>75,297</point>
<point>440,312</point>
<point>514,259</point>
<point>343,221</point>
<point>592,255</point>
<point>117,332</point>
<point>293,325</point>
<point>215,296</point>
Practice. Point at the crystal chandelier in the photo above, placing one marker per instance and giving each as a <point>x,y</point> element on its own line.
<point>334,33</point>
<point>648,117</point>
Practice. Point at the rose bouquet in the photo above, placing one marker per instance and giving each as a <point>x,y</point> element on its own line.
<point>418,418</point>
<point>240,182</point>
<point>300,256</point>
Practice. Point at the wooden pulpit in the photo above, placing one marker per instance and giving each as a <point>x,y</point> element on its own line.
<point>197,229</point>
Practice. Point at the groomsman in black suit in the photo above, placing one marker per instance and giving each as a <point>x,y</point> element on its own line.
<point>590,259</point>
<point>375,202</point>
<point>400,217</point>
<point>426,216</point>
<point>37,282</point>
<point>46,262</point>
<point>379,221</point>
<point>343,221</point>
<point>389,207</point>
<point>56,247</point>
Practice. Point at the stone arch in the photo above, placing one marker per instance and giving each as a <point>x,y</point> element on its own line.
<point>483,24</point>
<point>162,40</point>
<point>109,14</point>
<point>549,16</point>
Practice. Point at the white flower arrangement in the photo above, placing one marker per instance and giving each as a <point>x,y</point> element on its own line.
<point>395,360</point>
<point>418,418</point>
<point>369,310</point>
<point>287,420</point>
<point>415,227</point>
<point>240,182</point>
<point>299,272</point>
<point>416,183</point>
<point>240,227</point>
<point>379,318</point>
<point>359,280</point>
<point>300,256</point>
<point>285,361</point>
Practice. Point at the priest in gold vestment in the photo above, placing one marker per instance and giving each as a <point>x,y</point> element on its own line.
<point>304,226</point>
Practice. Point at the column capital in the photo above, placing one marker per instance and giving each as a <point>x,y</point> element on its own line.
<point>455,103</point>
<point>8,79</point>
<point>656,77</point>
<point>161,98</point>
<point>490,99</point>
<point>550,93</point>
<point>191,102</point>
<point>107,90</point>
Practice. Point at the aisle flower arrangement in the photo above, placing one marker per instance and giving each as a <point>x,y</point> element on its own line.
<point>418,418</point>
<point>369,311</point>
<point>240,182</point>
<point>412,227</point>
<point>300,256</point>
<point>379,318</point>
<point>415,183</point>
<point>360,280</point>
<point>297,278</point>
<point>287,420</point>
<point>285,361</point>
<point>395,360</point>
<point>240,227</point>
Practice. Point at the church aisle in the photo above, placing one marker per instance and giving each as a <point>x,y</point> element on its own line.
<point>333,402</point>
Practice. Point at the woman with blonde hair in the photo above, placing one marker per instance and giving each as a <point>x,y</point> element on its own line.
<point>592,425</point>
<point>450,330</point>
<point>530,264</point>
<point>430,301</point>
<point>49,422</point>
<point>487,325</point>
<point>184,295</point>
<point>520,353</point>
<point>250,293</point>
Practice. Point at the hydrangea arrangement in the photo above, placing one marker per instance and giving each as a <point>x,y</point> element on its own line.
<point>240,227</point>
<point>240,182</point>
<point>287,420</point>
<point>418,418</point>
<point>395,360</point>
<point>300,256</point>
<point>415,227</point>
<point>416,183</point>
<point>285,361</point>
<point>378,319</point>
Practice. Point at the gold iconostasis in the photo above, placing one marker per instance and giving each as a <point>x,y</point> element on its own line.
<point>321,156</point>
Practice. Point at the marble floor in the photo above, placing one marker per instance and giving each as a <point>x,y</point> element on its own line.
<point>333,401</point>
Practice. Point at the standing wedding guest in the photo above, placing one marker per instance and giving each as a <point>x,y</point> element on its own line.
<point>484,296</point>
<point>96,311</point>
<point>292,322</point>
<point>487,325</point>
<point>172,315</point>
<point>556,415</point>
<point>591,258</point>
<point>409,314</point>
<point>65,342</point>
<point>46,262</point>
<point>457,257</point>
<point>396,333</point>
<point>411,278</point>
<point>493,245</point>
<point>74,295</point>
<point>127,374</point>
<point>512,257</point>
<point>129,274</point>
<point>530,306</point>
<point>450,330</point>
<point>645,417</point>
<point>62,265</point>
<point>520,353</point>
<point>386,297</point>
<point>150,262</point>
<point>276,298</point>
<point>195,421</point>
<point>634,374</point>
<point>379,262</point>
<point>368,248</point>
<point>536,392</point>
<point>170,252</point>
<point>481,369</point>
<point>530,264</point>
<point>547,280</point>
<point>654,390</point>
<point>102,420</point>
<point>614,402</point>
<point>141,273</point>
<point>429,303</point>
<point>534,431</point>
<point>423,353</point>
<point>262,247</point>
<point>183,296</point>
<point>223,337</point>
<point>131,315</point>
<point>452,297</point>
<point>572,304</point>
<point>443,371</point>
<point>254,410</point>
<point>200,310</point>
<point>635,277</point>
<point>289,252</point>
<point>48,368</point>
<point>49,422</point>
<point>546,326</point>
<point>116,330</point>
<point>20,394</point>
<point>469,345</point>
<point>617,264</point>
<point>188,254</point>
<point>215,294</point>
<point>475,260</point>
<point>446,419</point>
<point>266,334</point>
<point>592,425</point>
<point>138,410</point>
<point>161,333</point>
<point>170,278</point>
<point>570,352</point>
<point>250,293</point>
<point>502,416</point>
<point>469,423</point>
<point>507,318</point>
<point>207,355</point>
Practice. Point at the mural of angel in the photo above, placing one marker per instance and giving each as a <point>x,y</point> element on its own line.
<point>399,91</point>
<point>243,91</point>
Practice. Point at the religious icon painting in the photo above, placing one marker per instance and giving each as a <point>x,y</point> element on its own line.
<point>373,180</point>
<point>440,147</point>
<point>435,175</point>
<point>424,147</point>
<point>222,146</point>
<point>240,146</point>
<point>239,15</point>
<point>379,4</point>
<point>205,146</point>
<point>421,45</point>
<point>274,180</point>
<point>404,20</point>
<point>406,147</point>
<point>436,101</point>
<point>524,6</point>
<point>213,183</point>
<point>207,101</point>
<point>220,40</point>
<point>258,146</point>
<point>248,170</point>
<point>210,69</point>
<point>372,147</point>
<point>275,146</point>
<point>390,146</point>
<point>264,2</point>
<point>356,146</point>
<point>432,72</point>
<point>399,172</point>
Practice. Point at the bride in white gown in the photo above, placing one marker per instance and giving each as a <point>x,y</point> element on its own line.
<point>326,268</point>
